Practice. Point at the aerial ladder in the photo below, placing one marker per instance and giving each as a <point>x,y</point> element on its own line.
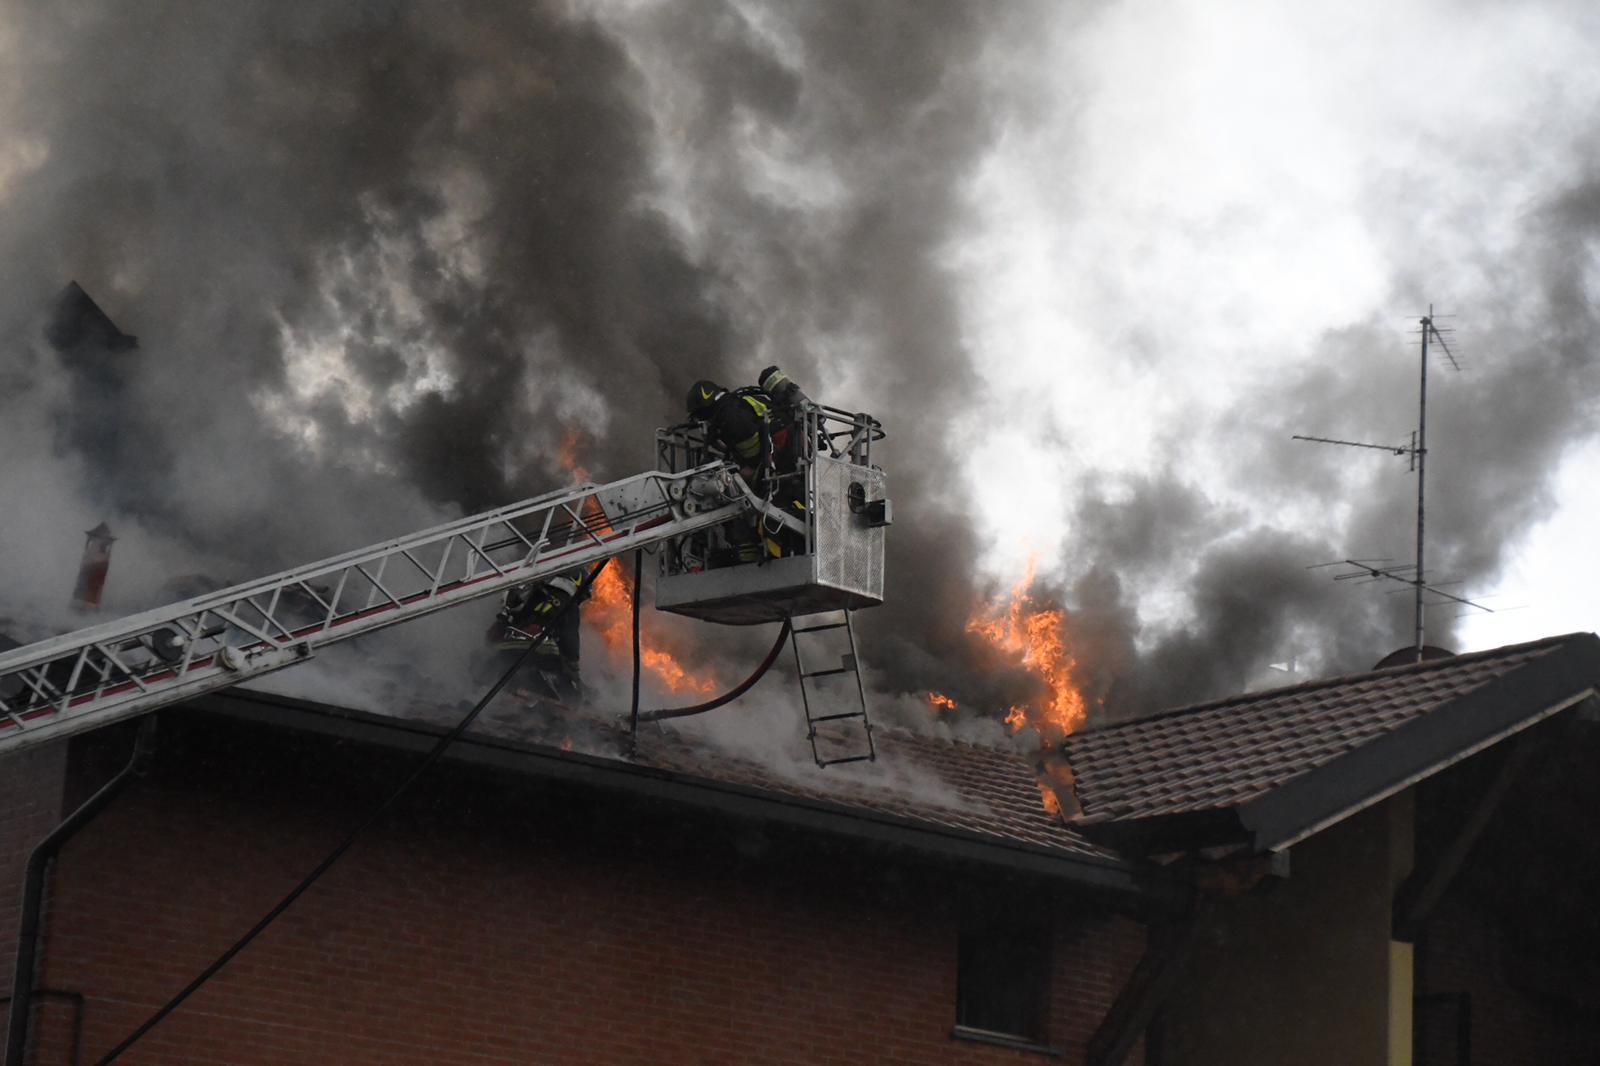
<point>131,666</point>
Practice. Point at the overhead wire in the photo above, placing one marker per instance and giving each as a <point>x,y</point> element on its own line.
<point>344,845</point>
<point>427,763</point>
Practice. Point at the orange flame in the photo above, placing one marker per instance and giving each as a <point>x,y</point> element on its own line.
<point>940,702</point>
<point>1051,802</point>
<point>567,454</point>
<point>610,610</point>
<point>1036,638</point>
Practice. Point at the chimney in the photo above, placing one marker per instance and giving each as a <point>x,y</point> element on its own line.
<point>92,570</point>
<point>77,323</point>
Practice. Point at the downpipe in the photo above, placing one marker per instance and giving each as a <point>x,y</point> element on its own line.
<point>33,888</point>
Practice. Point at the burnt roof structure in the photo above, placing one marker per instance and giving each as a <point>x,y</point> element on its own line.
<point>1265,770</point>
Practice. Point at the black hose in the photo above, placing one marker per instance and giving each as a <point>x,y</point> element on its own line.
<point>727,697</point>
<point>638,583</point>
<point>295,893</point>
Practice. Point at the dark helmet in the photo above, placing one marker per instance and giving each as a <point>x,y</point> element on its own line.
<point>702,394</point>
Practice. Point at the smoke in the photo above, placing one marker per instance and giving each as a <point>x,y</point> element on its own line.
<point>383,258</point>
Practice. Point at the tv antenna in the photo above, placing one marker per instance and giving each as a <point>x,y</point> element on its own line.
<point>1416,454</point>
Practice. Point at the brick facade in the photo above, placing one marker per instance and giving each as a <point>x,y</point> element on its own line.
<point>31,785</point>
<point>1464,955</point>
<point>501,920</point>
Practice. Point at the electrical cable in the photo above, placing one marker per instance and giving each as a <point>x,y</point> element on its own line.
<point>295,893</point>
<point>732,694</point>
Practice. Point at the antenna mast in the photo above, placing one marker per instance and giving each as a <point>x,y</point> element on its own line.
<point>1422,470</point>
<point>1417,452</point>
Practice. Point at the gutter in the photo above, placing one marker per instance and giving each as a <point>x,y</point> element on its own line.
<point>22,987</point>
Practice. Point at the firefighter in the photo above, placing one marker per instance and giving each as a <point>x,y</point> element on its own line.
<point>761,428</point>
<point>787,418</point>
<point>534,614</point>
<point>760,435</point>
<point>784,392</point>
<point>737,422</point>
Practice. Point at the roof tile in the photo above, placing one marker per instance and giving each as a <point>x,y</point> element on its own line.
<point>1227,752</point>
<point>953,785</point>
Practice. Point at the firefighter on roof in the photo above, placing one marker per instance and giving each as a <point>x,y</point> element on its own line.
<point>537,614</point>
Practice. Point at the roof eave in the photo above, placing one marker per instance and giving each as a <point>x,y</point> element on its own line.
<point>1306,804</point>
<point>1161,834</point>
<point>1131,883</point>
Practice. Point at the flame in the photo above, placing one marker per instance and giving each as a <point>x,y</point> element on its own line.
<point>566,743</point>
<point>1051,803</point>
<point>610,609</point>
<point>940,702</point>
<point>567,454</point>
<point>610,612</point>
<point>1036,638</point>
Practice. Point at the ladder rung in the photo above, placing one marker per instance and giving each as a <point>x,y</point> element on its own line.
<point>819,629</point>
<point>853,758</point>
<point>836,717</point>
<point>830,673</point>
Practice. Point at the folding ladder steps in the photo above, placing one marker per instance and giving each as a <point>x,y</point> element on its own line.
<point>834,697</point>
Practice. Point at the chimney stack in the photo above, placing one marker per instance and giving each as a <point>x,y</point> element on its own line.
<point>92,570</point>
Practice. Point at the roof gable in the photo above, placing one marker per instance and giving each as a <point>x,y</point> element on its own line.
<point>1269,768</point>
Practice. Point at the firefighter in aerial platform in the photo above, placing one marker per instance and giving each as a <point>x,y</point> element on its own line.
<point>762,429</point>
<point>537,614</point>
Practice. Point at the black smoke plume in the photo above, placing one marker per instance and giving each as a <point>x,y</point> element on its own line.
<point>383,258</point>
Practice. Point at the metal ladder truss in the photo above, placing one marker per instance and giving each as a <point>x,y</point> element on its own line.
<point>841,739</point>
<point>88,678</point>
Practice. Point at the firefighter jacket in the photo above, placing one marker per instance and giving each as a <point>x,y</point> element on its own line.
<point>738,423</point>
<point>533,614</point>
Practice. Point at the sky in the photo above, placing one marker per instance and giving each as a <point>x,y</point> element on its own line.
<point>1093,266</point>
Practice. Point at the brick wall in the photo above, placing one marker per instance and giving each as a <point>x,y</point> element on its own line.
<point>496,921</point>
<point>1464,953</point>
<point>30,806</point>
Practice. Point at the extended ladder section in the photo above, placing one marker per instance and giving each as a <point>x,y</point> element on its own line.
<point>830,681</point>
<point>86,679</point>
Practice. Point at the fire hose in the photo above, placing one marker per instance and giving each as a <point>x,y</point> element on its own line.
<point>663,713</point>
<point>729,696</point>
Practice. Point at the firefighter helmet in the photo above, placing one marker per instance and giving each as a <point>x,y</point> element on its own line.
<point>702,394</point>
